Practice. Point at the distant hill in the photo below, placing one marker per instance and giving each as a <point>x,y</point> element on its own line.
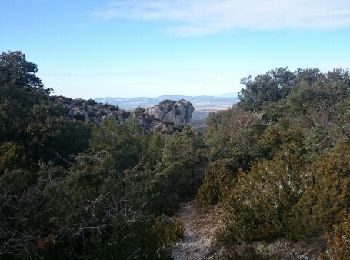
<point>201,103</point>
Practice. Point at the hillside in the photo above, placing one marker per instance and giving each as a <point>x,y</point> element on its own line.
<point>268,179</point>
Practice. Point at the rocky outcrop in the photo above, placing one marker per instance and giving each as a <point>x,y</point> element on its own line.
<point>176,113</point>
<point>90,111</point>
<point>168,116</point>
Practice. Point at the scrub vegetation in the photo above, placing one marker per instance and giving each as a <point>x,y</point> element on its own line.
<point>277,163</point>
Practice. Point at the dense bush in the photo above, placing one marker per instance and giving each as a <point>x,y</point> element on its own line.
<point>326,200</point>
<point>30,121</point>
<point>177,175</point>
<point>217,178</point>
<point>70,190</point>
<point>258,204</point>
<point>288,140</point>
<point>93,209</point>
<point>339,241</point>
<point>232,134</point>
<point>278,162</point>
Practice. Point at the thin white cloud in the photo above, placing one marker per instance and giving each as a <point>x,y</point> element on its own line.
<point>199,17</point>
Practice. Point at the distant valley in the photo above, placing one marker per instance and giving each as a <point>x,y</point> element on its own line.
<point>203,104</point>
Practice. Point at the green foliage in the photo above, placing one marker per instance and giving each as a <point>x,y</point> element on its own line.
<point>218,177</point>
<point>232,134</point>
<point>123,142</point>
<point>288,142</point>
<point>269,87</point>
<point>30,120</point>
<point>177,176</point>
<point>11,156</point>
<point>326,201</point>
<point>164,233</point>
<point>88,211</point>
<point>73,191</point>
<point>257,205</point>
<point>278,162</point>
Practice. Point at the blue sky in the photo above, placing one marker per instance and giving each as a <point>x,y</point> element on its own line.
<point>127,48</point>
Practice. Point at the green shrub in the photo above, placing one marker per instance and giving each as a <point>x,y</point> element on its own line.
<point>164,232</point>
<point>326,201</point>
<point>12,156</point>
<point>217,178</point>
<point>257,205</point>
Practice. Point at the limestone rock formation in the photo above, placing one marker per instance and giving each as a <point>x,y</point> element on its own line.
<point>90,111</point>
<point>168,116</point>
<point>176,113</point>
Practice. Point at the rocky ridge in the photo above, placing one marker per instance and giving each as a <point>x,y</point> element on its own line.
<point>168,116</point>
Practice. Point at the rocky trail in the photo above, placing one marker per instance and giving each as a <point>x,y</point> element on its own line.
<point>199,241</point>
<point>200,229</point>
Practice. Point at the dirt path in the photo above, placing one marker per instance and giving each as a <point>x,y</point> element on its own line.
<point>200,229</point>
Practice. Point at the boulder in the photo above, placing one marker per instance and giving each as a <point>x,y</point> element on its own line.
<point>175,113</point>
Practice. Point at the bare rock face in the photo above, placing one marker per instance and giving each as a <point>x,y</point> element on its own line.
<point>175,113</point>
<point>168,116</point>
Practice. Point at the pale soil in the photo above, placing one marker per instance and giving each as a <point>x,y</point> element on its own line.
<point>200,229</point>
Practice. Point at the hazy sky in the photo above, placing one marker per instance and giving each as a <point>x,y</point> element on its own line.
<point>125,48</point>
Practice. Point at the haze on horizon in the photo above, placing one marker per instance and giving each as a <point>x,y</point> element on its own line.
<point>116,48</point>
